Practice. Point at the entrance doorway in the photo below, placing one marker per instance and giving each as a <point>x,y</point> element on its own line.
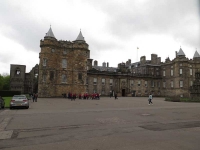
<point>123,92</point>
<point>133,93</point>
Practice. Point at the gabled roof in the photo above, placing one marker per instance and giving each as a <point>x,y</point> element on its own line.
<point>181,53</point>
<point>50,33</point>
<point>80,37</point>
<point>196,55</point>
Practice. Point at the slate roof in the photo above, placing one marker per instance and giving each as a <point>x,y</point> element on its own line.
<point>101,68</point>
<point>196,55</point>
<point>50,33</point>
<point>80,37</point>
<point>181,53</point>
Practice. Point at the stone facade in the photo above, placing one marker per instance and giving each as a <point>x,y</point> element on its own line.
<point>66,66</point>
<point>22,81</point>
<point>63,67</point>
<point>195,88</point>
<point>169,78</point>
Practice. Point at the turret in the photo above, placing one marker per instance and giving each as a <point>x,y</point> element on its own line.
<point>196,56</point>
<point>181,53</point>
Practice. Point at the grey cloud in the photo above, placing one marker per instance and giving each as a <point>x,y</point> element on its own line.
<point>160,17</point>
<point>124,20</point>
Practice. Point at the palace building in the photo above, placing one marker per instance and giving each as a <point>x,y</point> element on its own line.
<point>66,66</point>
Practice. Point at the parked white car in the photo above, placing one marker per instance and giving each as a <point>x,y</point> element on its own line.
<point>19,101</point>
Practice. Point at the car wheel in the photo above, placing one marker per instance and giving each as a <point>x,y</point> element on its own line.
<point>27,107</point>
<point>10,107</point>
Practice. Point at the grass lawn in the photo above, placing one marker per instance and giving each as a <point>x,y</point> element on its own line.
<point>7,101</point>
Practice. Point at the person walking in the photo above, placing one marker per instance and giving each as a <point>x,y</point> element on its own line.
<point>150,99</point>
<point>33,97</point>
<point>115,95</point>
<point>36,96</point>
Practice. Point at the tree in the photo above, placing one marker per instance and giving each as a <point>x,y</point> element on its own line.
<point>4,82</point>
<point>1,82</point>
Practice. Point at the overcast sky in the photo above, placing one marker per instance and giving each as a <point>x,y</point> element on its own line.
<point>112,28</point>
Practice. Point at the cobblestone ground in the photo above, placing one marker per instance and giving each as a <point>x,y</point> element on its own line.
<point>127,123</point>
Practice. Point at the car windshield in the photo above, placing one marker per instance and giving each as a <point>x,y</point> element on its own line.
<point>19,97</point>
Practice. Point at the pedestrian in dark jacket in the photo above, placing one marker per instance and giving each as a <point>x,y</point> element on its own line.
<point>115,95</point>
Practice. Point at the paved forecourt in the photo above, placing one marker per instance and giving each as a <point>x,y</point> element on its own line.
<point>105,124</point>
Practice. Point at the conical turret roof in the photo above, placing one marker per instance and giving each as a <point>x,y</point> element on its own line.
<point>80,37</point>
<point>50,33</point>
<point>181,53</point>
<point>196,55</point>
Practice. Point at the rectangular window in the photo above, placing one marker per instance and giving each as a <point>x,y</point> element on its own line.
<point>158,83</point>
<point>181,71</point>
<point>131,82</point>
<point>44,62</point>
<point>172,72</point>
<point>103,92</point>
<point>164,73</point>
<point>139,83</point>
<point>64,63</point>
<point>64,78</point>
<point>51,75</point>
<point>44,78</point>
<point>111,82</point>
<point>80,76</point>
<point>103,81</point>
<point>181,83</point>
<point>145,83</point>
<point>172,84</point>
<point>95,81</point>
<point>191,83</point>
<point>152,83</point>
<point>164,84</point>
<point>191,72</point>
<point>87,80</point>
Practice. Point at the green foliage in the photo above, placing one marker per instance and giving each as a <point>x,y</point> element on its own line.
<point>7,101</point>
<point>4,82</point>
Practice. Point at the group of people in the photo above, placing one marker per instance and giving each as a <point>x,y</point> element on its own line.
<point>34,97</point>
<point>73,96</point>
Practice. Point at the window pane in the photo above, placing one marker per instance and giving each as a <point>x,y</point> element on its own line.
<point>172,72</point>
<point>64,63</point>
<point>190,71</point>
<point>181,71</point>
<point>163,73</point>
<point>172,84</point>
<point>44,62</point>
<point>64,79</point>
<point>181,83</point>
<point>145,83</point>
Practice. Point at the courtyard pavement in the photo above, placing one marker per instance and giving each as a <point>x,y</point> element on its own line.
<point>127,123</point>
